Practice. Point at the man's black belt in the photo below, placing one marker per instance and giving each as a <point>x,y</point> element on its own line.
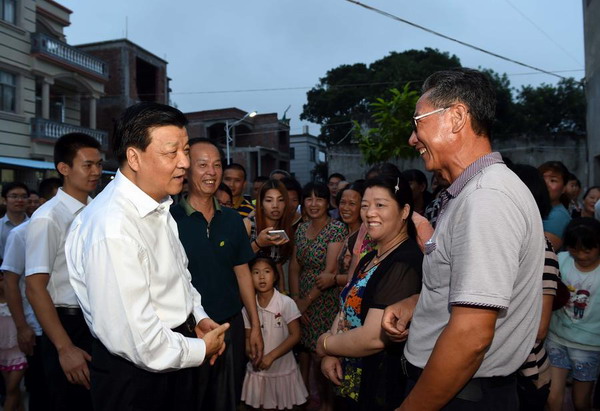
<point>473,389</point>
<point>187,328</point>
<point>69,310</point>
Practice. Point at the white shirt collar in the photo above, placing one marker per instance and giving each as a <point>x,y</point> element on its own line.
<point>274,305</point>
<point>140,199</point>
<point>73,205</point>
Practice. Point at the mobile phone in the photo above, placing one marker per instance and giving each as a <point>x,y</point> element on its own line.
<point>279,233</point>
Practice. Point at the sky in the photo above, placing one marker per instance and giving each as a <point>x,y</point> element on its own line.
<point>265,55</point>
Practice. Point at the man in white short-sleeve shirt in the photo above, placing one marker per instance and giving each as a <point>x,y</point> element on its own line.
<point>477,317</point>
<point>129,271</point>
<point>66,340</point>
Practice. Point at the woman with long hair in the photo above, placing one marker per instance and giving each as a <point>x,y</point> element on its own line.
<point>271,213</point>
<point>358,359</point>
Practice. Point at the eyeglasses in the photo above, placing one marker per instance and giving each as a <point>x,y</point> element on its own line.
<point>17,197</point>
<point>420,116</point>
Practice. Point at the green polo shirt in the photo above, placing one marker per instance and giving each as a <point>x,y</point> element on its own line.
<point>213,250</point>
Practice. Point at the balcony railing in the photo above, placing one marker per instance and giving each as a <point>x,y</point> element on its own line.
<point>46,45</point>
<point>42,129</point>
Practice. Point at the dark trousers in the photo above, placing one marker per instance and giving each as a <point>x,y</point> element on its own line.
<point>490,394</point>
<point>220,385</point>
<point>119,385</point>
<point>35,380</point>
<point>65,396</point>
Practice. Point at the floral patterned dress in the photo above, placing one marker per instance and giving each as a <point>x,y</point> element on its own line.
<point>351,302</point>
<point>312,256</point>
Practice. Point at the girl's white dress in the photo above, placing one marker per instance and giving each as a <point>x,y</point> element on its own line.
<point>280,386</point>
<point>11,357</point>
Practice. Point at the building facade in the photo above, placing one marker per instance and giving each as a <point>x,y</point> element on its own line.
<point>591,30</point>
<point>260,143</point>
<point>306,152</point>
<point>135,75</point>
<point>47,87</point>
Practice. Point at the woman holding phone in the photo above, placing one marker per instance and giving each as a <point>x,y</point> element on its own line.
<point>269,228</point>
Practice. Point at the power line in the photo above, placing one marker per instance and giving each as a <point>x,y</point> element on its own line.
<point>543,32</point>
<point>393,17</point>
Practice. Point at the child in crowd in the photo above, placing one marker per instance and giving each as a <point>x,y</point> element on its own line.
<point>573,342</point>
<point>556,176</point>
<point>224,196</point>
<point>275,382</point>
<point>12,360</point>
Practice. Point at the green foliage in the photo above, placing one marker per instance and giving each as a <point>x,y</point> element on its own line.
<point>548,109</point>
<point>393,120</point>
<point>360,94</point>
<point>345,93</point>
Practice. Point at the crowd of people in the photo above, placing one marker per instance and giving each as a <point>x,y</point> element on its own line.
<point>176,289</point>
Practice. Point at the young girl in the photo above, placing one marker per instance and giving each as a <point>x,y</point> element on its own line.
<point>275,382</point>
<point>12,360</point>
<point>574,338</point>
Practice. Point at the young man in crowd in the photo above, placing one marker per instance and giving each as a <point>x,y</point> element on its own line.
<point>16,196</point>
<point>555,175</point>
<point>234,175</point>
<point>29,331</point>
<point>66,339</point>
<point>332,183</point>
<point>256,185</point>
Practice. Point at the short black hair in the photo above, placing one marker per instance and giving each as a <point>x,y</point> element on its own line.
<point>573,177</point>
<point>337,175</point>
<point>235,166</point>
<point>137,121</point>
<point>470,87</point>
<point>261,179</point>
<point>590,189</point>
<point>400,191</point>
<point>67,146</point>
<point>535,183</point>
<point>320,190</point>
<point>291,184</point>
<point>415,175</point>
<point>358,186</point>
<point>383,169</point>
<point>556,167</point>
<point>48,187</point>
<point>204,140</point>
<point>6,188</point>
<point>582,232</point>
<point>280,171</point>
<point>224,187</point>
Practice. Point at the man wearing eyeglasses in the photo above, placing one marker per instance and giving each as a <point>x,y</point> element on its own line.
<point>16,196</point>
<point>477,316</point>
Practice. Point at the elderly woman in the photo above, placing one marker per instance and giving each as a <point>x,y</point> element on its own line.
<point>357,357</point>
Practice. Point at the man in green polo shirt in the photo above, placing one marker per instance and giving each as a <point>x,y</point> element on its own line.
<point>218,251</point>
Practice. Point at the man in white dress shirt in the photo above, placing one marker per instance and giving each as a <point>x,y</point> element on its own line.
<point>129,271</point>
<point>66,340</point>
<point>29,330</point>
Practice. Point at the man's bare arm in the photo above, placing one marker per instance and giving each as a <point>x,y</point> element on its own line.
<point>73,360</point>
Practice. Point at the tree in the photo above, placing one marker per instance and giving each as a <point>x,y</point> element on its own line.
<point>345,93</point>
<point>393,118</point>
<point>552,109</point>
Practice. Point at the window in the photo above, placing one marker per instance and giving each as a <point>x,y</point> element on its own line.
<point>8,91</point>
<point>292,153</point>
<point>7,10</point>
<point>313,154</point>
